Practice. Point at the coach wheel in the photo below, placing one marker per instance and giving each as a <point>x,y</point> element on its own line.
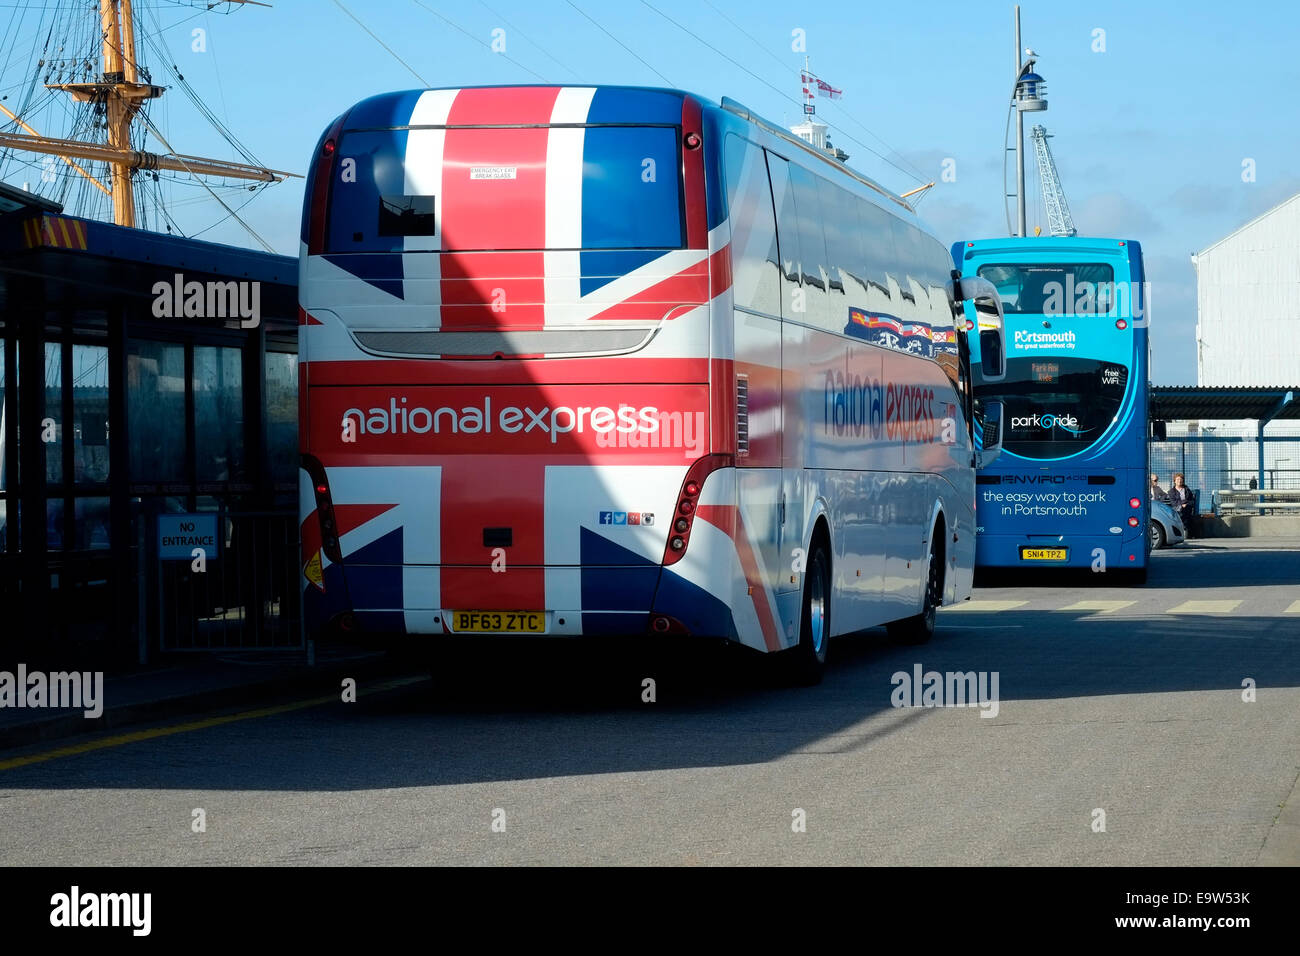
<point>805,663</point>
<point>1157,535</point>
<point>919,628</point>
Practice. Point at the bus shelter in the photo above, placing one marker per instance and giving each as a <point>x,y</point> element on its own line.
<point>143,375</point>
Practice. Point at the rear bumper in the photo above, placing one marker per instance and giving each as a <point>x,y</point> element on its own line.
<point>597,601</point>
<point>1004,551</point>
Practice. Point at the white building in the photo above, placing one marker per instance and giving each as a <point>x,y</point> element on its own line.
<point>817,133</point>
<point>1248,302</point>
<point>1248,310</point>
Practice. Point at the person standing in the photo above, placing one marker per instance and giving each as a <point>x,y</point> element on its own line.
<point>1157,493</point>
<point>1183,501</point>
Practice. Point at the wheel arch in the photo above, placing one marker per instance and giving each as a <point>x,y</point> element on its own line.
<point>937,530</point>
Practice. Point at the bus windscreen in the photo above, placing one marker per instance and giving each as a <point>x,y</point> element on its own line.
<point>1053,289</point>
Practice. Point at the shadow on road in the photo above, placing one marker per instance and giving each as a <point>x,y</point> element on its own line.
<point>557,709</point>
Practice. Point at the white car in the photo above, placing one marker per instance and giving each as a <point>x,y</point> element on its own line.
<point>1165,528</point>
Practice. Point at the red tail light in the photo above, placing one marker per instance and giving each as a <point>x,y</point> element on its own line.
<point>1133,522</point>
<point>329,529</point>
<point>663,624</point>
<point>1135,502</point>
<point>692,485</point>
<point>319,189</point>
<point>1121,324</point>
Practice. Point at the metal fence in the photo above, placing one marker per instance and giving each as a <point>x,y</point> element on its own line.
<point>244,599</point>
<point>1212,465</point>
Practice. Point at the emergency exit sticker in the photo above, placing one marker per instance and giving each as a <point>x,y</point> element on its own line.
<point>493,172</point>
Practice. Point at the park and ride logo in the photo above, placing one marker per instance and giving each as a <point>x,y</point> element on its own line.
<point>1047,421</point>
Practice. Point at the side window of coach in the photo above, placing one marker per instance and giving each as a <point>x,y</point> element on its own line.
<point>844,258</point>
<point>880,261</point>
<point>755,265</point>
<point>787,234</point>
<point>813,271</point>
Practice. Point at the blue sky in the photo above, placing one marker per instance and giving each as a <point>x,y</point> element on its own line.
<point>1149,135</point>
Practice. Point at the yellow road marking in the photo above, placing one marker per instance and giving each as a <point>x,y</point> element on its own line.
<point>1099,606</point>
<point>120,740</point>
<point>1293,609</point>
<point>985,605</point>
<point>1204,607</point>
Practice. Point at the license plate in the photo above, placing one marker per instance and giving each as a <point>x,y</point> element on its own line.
<point>1043,554</point>
<point>498,622</point>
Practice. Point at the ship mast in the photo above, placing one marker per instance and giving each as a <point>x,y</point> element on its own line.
<point>119,90</point>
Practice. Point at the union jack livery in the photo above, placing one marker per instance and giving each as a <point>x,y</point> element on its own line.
<point>600,361</point>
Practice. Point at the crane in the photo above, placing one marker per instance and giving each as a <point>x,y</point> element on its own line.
<point>1059,220</point>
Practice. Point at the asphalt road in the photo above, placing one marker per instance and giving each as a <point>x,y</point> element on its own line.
<point>1123,700</point>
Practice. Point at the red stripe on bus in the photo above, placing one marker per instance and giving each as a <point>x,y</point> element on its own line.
<point>720,271</point>
<point>689,287</point>
<point>493,491</point>
<point>727,518</point>
<point>494,196</point>
<point>722,407</point>
<point>351,517</point>
<point>697,215</point>
<point>492,289</point>
<point>503,105</point>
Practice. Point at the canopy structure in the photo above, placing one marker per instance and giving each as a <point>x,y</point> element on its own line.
<point>1248,402</point>
<point>1259,404</point>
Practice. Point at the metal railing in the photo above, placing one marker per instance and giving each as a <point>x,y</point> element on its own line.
<point>246,597</point>
<point>1225,470</point>
<point>1265,501</point>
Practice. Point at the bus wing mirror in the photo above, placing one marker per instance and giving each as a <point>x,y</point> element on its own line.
<point>1158,431</point>
<point>991,444</point>
<point>990,326</point>
<point>993,351</point>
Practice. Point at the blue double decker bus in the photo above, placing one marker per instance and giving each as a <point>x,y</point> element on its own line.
<point>1070,487</point>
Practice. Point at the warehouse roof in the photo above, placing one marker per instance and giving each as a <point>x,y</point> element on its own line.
<point>1178,402</point>
<point>1242,228</point>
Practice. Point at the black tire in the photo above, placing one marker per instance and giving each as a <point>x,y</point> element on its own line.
<point>1156,533</point>
<point>919,628</point>
<point>805,663</point>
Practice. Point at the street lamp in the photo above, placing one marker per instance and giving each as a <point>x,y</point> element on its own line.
<point>1028,95</point>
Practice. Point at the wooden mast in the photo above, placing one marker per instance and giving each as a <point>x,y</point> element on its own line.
<point>119,90</point>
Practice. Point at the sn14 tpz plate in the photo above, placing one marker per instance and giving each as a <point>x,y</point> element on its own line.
<point>1044,554</point>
